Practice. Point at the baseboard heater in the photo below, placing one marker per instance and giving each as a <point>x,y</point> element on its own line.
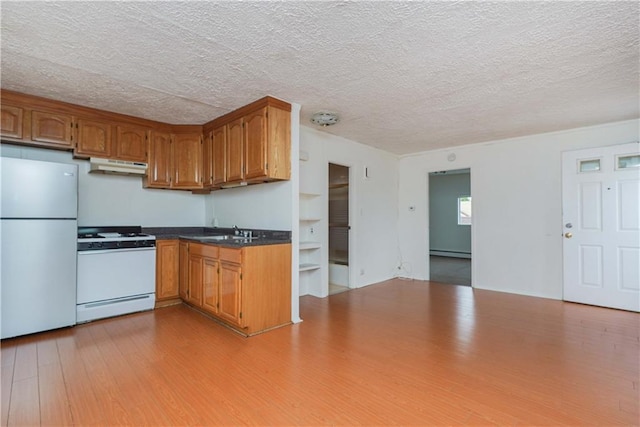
<point>452,254</point>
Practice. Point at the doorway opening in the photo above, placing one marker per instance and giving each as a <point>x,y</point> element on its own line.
<point>450,218</point>
<point>338,228</point>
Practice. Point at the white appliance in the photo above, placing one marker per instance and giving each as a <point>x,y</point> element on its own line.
<point>116,272</point>
<point>117,166</point>
<point>38,245</point>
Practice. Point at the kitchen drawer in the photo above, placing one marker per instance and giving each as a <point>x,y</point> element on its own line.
<point>207,251</point>
<point>231,255</point>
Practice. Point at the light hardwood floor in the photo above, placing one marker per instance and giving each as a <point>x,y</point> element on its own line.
<point>399,352</point>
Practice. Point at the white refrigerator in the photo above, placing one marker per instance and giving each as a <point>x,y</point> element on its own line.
<point>38,237</point>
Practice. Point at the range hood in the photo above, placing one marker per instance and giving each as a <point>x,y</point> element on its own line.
<point>121,167</point>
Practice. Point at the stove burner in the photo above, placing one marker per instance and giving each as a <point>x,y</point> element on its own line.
<point>133,235</point>
<point>90,236</point>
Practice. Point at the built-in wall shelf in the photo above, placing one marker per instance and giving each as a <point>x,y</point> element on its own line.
<point>308,267</point>
<point>312,219</point>
<point>309,245</point>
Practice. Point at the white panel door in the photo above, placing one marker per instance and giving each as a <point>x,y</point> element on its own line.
<point>601,226</point>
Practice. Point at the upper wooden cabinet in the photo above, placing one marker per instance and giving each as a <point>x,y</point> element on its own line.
<point>219,154</point>
<point>255,144</point>
<point>159,169</point>
<point>235,151</point>
<point>131,143</point>
<point>207,160</point>
<point>247,146</point>
<point>37,126</point>
<point>175,161</point>
<point>12,121</point>
<point>89,132</point>
<point>93,138</point>
<point>258,143</point>
<point>186,154</point>
<point>52,128</point>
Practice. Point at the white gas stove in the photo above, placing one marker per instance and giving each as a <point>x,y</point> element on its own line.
<point>116,272</point>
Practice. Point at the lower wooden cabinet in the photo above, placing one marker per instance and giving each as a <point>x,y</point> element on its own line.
<point>167,271</point>
<point>183,274</point>
<point>231,293</point>
<point>247,288</point>
<point>210,284</point>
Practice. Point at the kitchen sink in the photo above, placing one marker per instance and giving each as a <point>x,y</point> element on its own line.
<point>224,237</point>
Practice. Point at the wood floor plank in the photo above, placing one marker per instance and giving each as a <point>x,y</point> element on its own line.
<point>396,353</point>
<point>54,403</point>
<point>26,365</point>
<point>113,404</point>
<point>6,381</point>
<point>85,407</point>
<point>24,409</point>
<point>8,353</point>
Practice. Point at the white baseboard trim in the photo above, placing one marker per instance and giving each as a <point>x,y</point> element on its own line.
<point>451,254</point>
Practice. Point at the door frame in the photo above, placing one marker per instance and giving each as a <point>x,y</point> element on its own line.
<point>353,226</point>
<point>474,224</point>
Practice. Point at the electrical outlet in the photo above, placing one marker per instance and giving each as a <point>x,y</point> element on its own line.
<point>311,230</point>
<point>362,271</point>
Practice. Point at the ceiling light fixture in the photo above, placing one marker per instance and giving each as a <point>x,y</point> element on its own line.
<point>325,118</point>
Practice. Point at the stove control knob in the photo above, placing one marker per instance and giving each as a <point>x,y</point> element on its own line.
<point>98,244</point>
<point>90,245</point>
<point>118,244</point>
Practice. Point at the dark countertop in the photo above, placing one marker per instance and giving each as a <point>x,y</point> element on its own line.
<point>199,234</point>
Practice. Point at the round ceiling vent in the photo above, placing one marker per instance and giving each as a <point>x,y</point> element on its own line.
<point>324,118</point>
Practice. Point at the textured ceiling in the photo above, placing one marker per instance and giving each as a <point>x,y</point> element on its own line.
<point>404,76</point>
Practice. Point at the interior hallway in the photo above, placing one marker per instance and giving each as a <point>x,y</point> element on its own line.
<point>450,270</point>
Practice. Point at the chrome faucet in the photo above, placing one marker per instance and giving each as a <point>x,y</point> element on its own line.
<point>236,230</point>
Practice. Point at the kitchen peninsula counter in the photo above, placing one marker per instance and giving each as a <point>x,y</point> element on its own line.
<point>204,235</point>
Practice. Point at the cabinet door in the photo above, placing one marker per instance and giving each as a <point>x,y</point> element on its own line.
<point>210,285</point>
<point>255,144</point>
<point>230,293</point>
<point>54,129</point>
<point>184,270</point>
<point>159,170</point>
<point>219,143</point>
<point>186,150</point>
<point>12,120</point>
<point>131,143</point>
<point>235,157</point>
<point>194,294</point>
<point>207,160</point>
<point>94,139</point>
<point>167,267</point>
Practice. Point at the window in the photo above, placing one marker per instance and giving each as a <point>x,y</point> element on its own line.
<point>590,165</point>
<point>464,210</point>
<point>625,162</point>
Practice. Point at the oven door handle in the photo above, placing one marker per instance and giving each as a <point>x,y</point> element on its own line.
<point>111,251</point>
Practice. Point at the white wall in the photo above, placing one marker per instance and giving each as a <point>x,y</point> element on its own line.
<point>265,206</point>
<point>374,212</point>
<point>516,188</point>
<point>121,200</point>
